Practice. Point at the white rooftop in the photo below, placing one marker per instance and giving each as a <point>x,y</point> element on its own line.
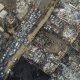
<point>1,6</point>
<point>3,13</point>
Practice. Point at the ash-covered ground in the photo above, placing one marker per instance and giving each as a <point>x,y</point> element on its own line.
<point>24,70</point>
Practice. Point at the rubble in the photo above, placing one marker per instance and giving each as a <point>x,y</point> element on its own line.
<point>46,33</point>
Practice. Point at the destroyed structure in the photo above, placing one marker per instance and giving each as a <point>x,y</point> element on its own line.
<point>44,32</point>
